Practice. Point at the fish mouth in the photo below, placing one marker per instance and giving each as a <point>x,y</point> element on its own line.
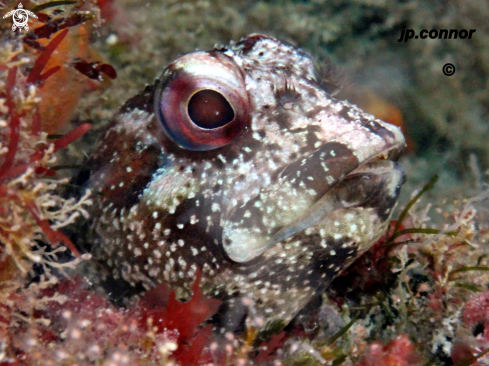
<point>339,175</point>
<point>364,185</point>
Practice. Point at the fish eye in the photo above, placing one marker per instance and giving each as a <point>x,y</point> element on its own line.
<point>201,102</point>
<point>209,109</point>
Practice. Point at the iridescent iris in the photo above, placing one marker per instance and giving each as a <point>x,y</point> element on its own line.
<point>201,102</point>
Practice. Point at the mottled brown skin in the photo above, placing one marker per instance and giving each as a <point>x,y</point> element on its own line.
<point>274,215</point>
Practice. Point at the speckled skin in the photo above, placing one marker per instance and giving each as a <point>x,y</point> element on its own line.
<point>273,216</point>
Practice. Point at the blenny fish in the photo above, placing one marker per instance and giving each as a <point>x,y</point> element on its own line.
<point>238,166</point>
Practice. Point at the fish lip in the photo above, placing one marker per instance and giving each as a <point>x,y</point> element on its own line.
<point>391,154</point>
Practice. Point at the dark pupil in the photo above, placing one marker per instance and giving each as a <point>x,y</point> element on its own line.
<point>209,109</point>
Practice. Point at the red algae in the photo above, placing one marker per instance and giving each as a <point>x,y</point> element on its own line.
<point>84,328</point>
<point>64,44</point>
<point>399,352</point>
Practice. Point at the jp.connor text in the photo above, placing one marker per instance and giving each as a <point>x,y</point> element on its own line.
<point>407,34</point>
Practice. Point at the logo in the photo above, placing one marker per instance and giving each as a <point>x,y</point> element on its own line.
<point>449,69</point>
<point>20,16</point>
